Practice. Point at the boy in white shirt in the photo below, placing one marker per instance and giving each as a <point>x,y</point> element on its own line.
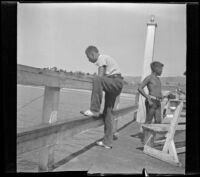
<point>110,81</point>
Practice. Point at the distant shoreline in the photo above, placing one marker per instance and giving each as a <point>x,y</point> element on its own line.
<point>127,89</point>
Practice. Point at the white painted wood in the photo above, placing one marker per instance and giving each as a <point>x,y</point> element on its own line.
<point>172,128</point>
<point>172,151</point>
<point>160,155</point>
<point>180,150</point>
<point>169,151</point>
<point>148,58</point>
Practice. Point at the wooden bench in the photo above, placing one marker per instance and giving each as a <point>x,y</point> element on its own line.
<point>169,114</point>
<point>168,152</point>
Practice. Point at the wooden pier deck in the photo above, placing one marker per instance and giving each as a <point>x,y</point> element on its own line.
<point>126,157</point>
<point>79,153</point>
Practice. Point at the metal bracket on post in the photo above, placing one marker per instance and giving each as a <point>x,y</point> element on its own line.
<point>49,115</point>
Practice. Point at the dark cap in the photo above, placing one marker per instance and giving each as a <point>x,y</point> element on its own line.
<point>155,64</point>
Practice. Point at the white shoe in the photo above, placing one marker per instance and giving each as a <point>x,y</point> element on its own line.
<point>90,113</point>
<point>100,143</point>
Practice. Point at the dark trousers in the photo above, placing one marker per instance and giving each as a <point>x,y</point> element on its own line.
<point>153,111</point>
<point>112,88</point>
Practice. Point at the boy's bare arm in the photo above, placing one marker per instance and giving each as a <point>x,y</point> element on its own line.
<point>142,85</point>
<point>141,89</point>
<point>101,71</point>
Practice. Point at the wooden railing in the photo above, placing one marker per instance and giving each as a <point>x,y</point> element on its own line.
<point>51,131</point>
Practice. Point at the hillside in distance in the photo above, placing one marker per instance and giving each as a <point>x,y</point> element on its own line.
<point>180,80</point>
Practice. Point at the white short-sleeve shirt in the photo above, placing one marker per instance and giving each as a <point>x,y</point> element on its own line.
<point>111,65</point>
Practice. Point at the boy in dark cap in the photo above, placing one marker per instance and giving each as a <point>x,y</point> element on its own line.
<point>154,98</point>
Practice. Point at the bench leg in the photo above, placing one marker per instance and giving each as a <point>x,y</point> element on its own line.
<point>148,138</point>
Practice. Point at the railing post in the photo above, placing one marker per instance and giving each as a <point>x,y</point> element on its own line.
<point>136,102</point>
<point>49,115</point>
<point>50,104</point>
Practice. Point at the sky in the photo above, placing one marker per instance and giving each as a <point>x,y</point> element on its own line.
<point>57,34</point>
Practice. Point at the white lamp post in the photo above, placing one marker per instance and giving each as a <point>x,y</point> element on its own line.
<point>148,58</point>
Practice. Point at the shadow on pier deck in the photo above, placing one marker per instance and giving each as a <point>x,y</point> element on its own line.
<point>126,157</point>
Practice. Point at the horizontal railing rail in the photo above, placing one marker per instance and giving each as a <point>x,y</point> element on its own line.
<point>26,137</point>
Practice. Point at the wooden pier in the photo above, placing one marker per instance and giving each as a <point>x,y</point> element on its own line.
<point>38,146</point>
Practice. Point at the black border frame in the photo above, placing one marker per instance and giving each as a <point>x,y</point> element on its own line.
<point>9,82</point>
